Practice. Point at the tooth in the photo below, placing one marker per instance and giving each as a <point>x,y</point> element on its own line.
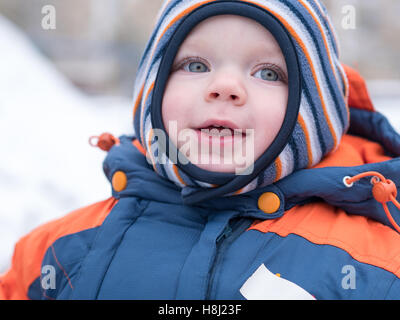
<point>219,133</point>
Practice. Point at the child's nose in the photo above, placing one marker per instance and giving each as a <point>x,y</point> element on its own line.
<point>226,89</point>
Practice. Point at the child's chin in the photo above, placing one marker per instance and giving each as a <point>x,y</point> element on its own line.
<point>217,164</point>
<point>217,167</point>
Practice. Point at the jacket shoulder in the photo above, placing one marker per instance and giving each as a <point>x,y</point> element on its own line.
<point>30,249</point>
<point>365,240</point>
<point>78,220</point>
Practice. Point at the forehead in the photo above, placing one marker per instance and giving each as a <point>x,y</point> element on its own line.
<point>231,30</point>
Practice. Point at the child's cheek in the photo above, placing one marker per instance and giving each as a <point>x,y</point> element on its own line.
<point>269,115</point>
<point>174,107</point>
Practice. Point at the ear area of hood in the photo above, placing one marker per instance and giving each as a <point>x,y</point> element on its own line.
<point>358,92</point>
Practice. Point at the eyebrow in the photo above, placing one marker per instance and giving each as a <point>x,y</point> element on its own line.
<point>274,54</point>
<point>259,48</point>
<point>259,51</point>
<point>271,52</point>
<point>194,46</point>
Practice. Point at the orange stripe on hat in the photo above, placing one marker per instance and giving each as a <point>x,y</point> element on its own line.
<point>345,94</point>
<point>142,112</point>
<point>137,102</point>
<point>183,13</point>
<point>323,35</point>
<point>137,144</point>
<point>347,90</point>
<point>178,175</point>
<point>343,79</point>
<point>149,148</point>
<point>307,135</point>
<point>330,25</point>
<point>278,166</point>
<point>239,191</point>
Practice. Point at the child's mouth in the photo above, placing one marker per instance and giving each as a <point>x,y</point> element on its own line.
<point>219,131</point>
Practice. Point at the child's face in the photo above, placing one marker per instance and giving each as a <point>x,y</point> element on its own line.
<point>229,69</point>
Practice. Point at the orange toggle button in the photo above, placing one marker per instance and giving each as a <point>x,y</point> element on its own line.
<point>119,181</point>
<point>105,141</point>
<point>269,202</point>
<point>383,190</point>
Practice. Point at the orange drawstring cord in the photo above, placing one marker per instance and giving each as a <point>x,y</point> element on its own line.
<point>383,190</point>
<point>105,141</point>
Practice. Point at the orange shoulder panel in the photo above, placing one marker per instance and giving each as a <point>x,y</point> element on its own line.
<point>354,151</point>
<point>29,250</point>
<point>367,241</point>
<point>358,93</point>
<point>371,152</point>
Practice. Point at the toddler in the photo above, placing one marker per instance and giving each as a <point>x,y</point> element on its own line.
<point>259,169</point>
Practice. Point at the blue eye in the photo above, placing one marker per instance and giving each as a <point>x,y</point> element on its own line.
<point>267,74</point>
<point>196,67</point>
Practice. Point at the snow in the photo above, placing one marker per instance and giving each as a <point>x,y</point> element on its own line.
<point>47,167</point>
<point>390,107</point>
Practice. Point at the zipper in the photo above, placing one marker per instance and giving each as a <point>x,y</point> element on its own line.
<point>224,240</point>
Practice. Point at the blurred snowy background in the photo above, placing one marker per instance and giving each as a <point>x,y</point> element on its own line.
<point>60,86</point>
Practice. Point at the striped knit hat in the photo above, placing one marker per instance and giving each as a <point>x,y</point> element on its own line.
<point>317,112</point>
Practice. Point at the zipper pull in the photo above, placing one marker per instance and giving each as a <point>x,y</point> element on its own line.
<point>225,234</point>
